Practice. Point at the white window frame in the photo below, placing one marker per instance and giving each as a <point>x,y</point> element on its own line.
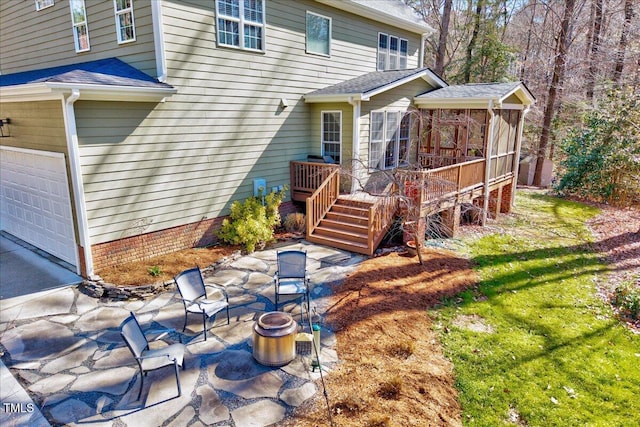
<point>378,145</point>
<point>76,25</point>
<point>241,22</point>
<point>307,50</point>
<point>386,55</point>
<point>43,4</point>
<point>323,141</point>
<point>118,13</point>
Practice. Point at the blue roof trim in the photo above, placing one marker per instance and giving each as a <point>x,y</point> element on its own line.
<point>103,72</point>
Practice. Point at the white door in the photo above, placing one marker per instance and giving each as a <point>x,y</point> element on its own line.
<point>34,202</point>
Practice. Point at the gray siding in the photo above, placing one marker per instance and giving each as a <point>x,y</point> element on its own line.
<point>33,39</point>
<point>148,167</point>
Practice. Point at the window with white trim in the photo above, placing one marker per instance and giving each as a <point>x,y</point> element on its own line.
<point>389,139</point>
<point>332,134</point>
<point>318,34</point>
<point>80,27</point>
<point>43,4</point>
<point>392,52</point>
<point>125,25</point>
<point>241,23</point>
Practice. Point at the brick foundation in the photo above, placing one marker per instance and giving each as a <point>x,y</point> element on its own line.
<point>148,245</point>
<point>505,202</point>
<point>451,220</point>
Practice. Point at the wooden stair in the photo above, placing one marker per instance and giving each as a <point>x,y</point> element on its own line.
<point>345,226</point>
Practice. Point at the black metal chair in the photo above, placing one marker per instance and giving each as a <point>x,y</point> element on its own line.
<point>150,359</point>
<point>292,278</point>
<point>194,297</point>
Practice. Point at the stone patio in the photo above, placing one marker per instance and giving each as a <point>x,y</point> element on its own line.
<point>66,351</point>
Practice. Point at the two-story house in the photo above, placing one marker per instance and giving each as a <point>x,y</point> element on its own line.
<point>130,126</point>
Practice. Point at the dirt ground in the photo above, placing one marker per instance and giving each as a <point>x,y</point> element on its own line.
<point>392,370</point>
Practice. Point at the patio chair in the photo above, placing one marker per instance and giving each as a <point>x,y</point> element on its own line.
<point>150,359</point>
<point>292,278</point>
<point>194,297</point>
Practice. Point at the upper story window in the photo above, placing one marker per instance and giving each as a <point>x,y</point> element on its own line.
<point>125,26</point>
<point>318,34</point>
<point>241,23</point>
<point>43,4</point>
<point>80,28</point>
<point>392,52</point>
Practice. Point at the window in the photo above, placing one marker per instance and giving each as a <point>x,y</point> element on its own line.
<point>241,23</point>
<point>389,140</point>
<point>392,52</point>
<point>80,28</point>
<point>318,34</point>
<point>125,27</point>
<point>332,134</point>
<point>43,4</point>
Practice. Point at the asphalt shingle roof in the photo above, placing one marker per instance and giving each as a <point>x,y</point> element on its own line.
<point>106,72</point>
<point>368,82</point>
<point>472,90</point>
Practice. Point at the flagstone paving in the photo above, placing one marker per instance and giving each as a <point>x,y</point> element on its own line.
<point>66,351</point>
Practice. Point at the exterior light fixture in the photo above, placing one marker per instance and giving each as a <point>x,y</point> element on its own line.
<point>3,123</point>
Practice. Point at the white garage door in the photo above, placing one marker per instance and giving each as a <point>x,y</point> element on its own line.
<point>34,202</point>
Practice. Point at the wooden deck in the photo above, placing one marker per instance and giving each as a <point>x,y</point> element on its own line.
<point>359,222</point>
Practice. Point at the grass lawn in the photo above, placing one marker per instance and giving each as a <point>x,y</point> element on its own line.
<point>549,352</point>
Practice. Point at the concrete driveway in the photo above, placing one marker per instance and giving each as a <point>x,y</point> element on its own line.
<point>25,270</point>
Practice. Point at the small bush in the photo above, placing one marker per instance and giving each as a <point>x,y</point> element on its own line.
<point>295,223</point>
<point>251,223</point>
<point>627,298</point>
<point>401,350</point>
<point>391,389</point>
<point>155,271</point>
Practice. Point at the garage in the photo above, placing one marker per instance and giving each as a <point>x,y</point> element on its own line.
<point>35,205</point>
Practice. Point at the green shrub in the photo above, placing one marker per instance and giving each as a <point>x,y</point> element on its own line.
<point>155,271</point>
<point>251,223</point>
<point>627,298</point>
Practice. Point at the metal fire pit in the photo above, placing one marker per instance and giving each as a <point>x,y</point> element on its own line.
<point>274,337</point>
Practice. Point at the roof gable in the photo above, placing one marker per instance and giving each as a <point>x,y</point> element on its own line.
<point>476,95</point>
<point>371,84</point>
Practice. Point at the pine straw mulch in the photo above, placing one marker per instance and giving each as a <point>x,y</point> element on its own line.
<point>392,371</point>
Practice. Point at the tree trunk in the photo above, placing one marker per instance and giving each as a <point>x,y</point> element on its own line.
<point>442,40</point>
<point>622,45</point>
<point>528,47</point>
<point>555,89</point>
<point>472,43</point>
<point>595,45</point>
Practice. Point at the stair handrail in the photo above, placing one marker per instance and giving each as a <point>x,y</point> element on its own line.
<point>321,201</point>
<point>381,214</point>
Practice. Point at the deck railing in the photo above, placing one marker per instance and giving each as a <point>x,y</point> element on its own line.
<point>381,214</point>
<point>432,161</point>
<point>306,178</point>
<point>442,182</point>
<point>319,203</point>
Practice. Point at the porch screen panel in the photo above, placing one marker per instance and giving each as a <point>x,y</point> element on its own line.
<point>376,139</point>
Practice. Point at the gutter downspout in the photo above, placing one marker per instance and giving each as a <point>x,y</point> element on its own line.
<point>158,40</point>
<point>487,167</point>
<point>76,179</point>
<point>516,167</point>
<point>423,39</point>
<point>355,144</point>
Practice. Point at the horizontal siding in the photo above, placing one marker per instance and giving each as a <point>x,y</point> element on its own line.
<point>50,42</point>
<point>148,167</point>
<point>35,125</point>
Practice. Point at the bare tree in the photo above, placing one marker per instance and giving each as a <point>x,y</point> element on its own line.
<point>595,45</point>
<point>555,89</point>
<point>622,45</point>
<point>442,38</point>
